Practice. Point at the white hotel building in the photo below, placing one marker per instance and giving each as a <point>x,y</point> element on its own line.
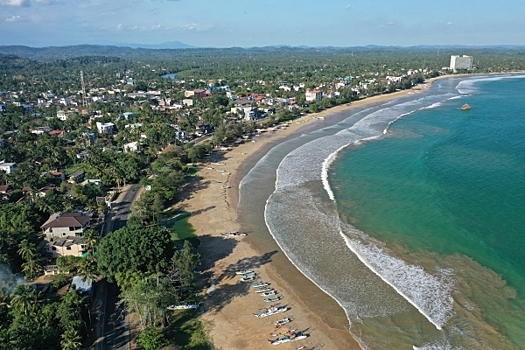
<point>460,62</point>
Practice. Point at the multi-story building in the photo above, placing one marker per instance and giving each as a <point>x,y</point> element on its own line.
<point>460,62</point>
<point>63,234</point>
<point>313,95</point>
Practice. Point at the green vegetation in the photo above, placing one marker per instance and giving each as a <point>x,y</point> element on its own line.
<point>180,226</point>
<point>187,331</point>
<point>29,320</point>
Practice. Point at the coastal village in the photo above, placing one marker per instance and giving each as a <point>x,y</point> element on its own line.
<point>70,156</point>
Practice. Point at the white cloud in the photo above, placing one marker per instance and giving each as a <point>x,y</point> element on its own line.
<point>156,27</point>
<point>348,6</point>
<point>48,2</point>
<point>15,3</point>
<point>119,26</point>
<point>12,19</point>
<point>449,23</point>
<point>195,27</point>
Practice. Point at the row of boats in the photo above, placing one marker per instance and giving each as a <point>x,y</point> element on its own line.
<point>270,294</point>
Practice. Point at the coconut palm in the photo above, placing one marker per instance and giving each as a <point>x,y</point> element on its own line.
<point>24,300</point>
<point>27,250</point>
<point>71,340</point>
<point>33,267</point>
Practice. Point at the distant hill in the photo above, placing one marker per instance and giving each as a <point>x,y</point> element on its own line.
<point>51,53</point>
<point>170,50</point>
<point>166,45</point>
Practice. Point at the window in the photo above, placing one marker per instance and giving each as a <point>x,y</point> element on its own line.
<point>53,248</point>
<point>68,248</point>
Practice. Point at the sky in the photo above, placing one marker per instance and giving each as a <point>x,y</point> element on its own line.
<point>248,23</point>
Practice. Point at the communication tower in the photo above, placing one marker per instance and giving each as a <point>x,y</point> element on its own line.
<point>83,86</point>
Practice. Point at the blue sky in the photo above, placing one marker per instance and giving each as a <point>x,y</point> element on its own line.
<point>246,23</point>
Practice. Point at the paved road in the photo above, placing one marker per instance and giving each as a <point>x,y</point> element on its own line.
<point>112,330</point>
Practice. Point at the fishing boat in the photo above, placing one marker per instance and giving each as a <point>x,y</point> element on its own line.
<point>260,284</point>
<point>247,275</point>
<point>243,272</point>
<point>264,290</point>
<point>247,279</point>
<point>272,299</point>
<point>282,322</point>
<point>233,234</point>
<point>288,337</point>
<point>268,293</point>
<point>271,311</point>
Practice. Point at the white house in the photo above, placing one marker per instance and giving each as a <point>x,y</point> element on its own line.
<point>7,167</point>
<point>106,128</point>
<point>62,115</point>
<point>131,147</point>
<point>313,95</point>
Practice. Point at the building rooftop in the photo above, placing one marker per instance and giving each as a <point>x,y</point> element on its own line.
<point>66,220</point>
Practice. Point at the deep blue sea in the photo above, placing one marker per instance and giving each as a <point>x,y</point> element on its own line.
<point>411,215</point>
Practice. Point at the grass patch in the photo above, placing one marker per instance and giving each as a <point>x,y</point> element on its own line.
<point>187,331</point>
<point>179,226</point>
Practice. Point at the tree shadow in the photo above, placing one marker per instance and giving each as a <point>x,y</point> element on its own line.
<point>247,263</point>
<point>223,295</point>
<point>214,248</point>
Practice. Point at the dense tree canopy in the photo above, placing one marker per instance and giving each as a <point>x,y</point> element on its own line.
<point>134,248</point>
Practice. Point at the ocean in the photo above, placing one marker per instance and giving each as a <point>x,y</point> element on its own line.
<point>410,214</point>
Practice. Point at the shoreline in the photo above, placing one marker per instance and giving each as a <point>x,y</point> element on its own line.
<point>228,326</point>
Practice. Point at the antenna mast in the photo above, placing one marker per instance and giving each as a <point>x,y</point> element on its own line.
<point>84,100</point>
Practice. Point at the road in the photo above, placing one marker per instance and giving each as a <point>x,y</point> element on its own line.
<point>112,331</point>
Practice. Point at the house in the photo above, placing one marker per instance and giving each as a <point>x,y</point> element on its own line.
<point>56,133</point>
<point>131,147</point>
<point>313,95</point>
<point>105,128</point>
<point>42,192</point>
<point>196,92</point>
<point>7,167</point>
<point>62,115</point>
<point>5,190</point>
<point>67,246</point>
<point>188,102</point>
<point>64,225</point>
<point>77,177</point>
<point>41,130</point>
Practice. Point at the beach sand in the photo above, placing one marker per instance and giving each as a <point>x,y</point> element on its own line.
<point>230,304</point>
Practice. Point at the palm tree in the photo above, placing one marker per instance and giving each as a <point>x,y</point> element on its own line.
<point>71,340</point>
<point>27,250</point>
<point>33,267</point>
<point>24,300</point>
<point>90,239</point>
<point>87,268</point>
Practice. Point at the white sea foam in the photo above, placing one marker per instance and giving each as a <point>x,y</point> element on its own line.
<point>432,106</point>
<point>429,294</point>
<point>468,86</point>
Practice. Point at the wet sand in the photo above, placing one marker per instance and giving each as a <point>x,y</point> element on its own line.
<point>229,307</point>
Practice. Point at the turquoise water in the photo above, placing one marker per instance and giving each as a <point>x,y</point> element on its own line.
<point>451,184</point>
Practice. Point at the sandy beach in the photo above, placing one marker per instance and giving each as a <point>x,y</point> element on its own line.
<point>230,304</point>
